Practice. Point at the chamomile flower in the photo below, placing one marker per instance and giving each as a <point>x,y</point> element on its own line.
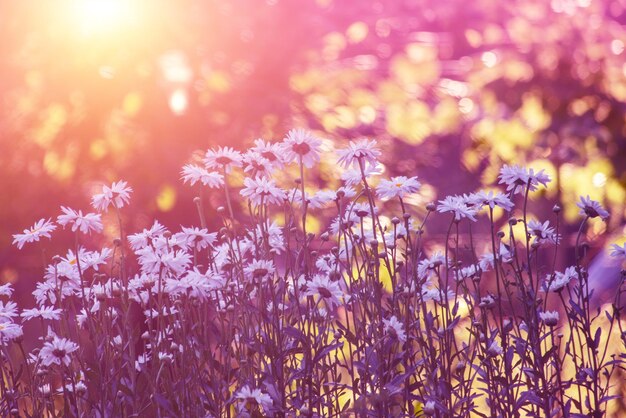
<point>259,269</point>
<point>10,331</point>
<point>347,221</point>
<point>495,349</point>
<point>254,397</point>
<point>428,265</point>
<point>117,195</point>
<point>492,200</point>
<point>550,318</point>
<point>542,232</point>
<point>470,272</point>
<point>84,223</point>
<point>398,186</point>
<point>6,289</point>
<point>57,351</point>
<point>458,206</point>
<point>261,190</point>
<point>42,228</point>
<point>487,260</point>
<point>517,178</point>
<point>272,152</point>
<point>43,312</point>
<point>354,176</point>
<point>273,234</point>
<point>617,251</point>
<point>144,238</point>
<point>361,151</point>
<point>327,290</point>
<point>222,158</point>
<point>327,196</point>
<point>300,144</point>
<point>193,173</point>
<point>591,208</point>
<point>362,209</point>
<point>558,281</point>
<point>195,238</point>
<point>437,295</point>
<point>395,329</point>
<point>256,165</point>
<point>7,311</point>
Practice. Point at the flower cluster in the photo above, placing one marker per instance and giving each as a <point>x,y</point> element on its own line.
<point>260,314</point>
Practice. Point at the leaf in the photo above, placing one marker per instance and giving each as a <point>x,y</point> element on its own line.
<point>609,398</point>
<point>326,350</point>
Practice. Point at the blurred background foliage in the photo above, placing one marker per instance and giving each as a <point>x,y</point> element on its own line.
<point>99,90</point>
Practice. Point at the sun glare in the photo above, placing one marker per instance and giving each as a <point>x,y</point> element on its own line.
<point>94,16</point>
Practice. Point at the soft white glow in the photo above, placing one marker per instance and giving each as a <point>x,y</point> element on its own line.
<point>175,68</point>
<point>178,101</point>
<point>599,179</point>
<point>466,105</point>
<point>489,58</point>
<point>94,16</point>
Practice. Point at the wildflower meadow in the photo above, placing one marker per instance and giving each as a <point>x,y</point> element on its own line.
<point>369,316</point>
<point>312,208</point>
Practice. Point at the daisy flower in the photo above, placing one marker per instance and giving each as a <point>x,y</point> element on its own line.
<point>194,284</point>
<point>118,195</point>
<point>84,223</point>
<point>617,251</point>
<point>263,190</point>
<point>10,331</point>
<point>492,200</point>
<point>274,235</point>
<point>353,176</point>
<point>272,152</point>
<point>430,264</point>
<point>254,397</point>
<point>362,209</point>
<point>256,165</point>
<point>437,295</point>
<point>222,157</point>
<point>193,173</point>
<point>142,239</point>
<point>516,178</point>
<point>487,260</point>
<point>43,312</point>
<point>259,269</point>
<point>550,318</point>
<point>42,228</point>
<point>558,281</point>
<point>362,150</point>
<point>327,196</point>
<point>7,311</point>
<point>347,221</point>
<point>301,144</point>
<point>6,289</point>
<point>397,187</point>
<point>495,349</point>
<point>153,260</point>
<point>458,206</point>
<point>542,232</point>
<point>487,302</point>
<point>591,208</point>
<point>470,271</point>
<point>94,259</point>
<point>395,329</point>
<point>326,289</point>
<point>196,238</point>
<point>57,351</point>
